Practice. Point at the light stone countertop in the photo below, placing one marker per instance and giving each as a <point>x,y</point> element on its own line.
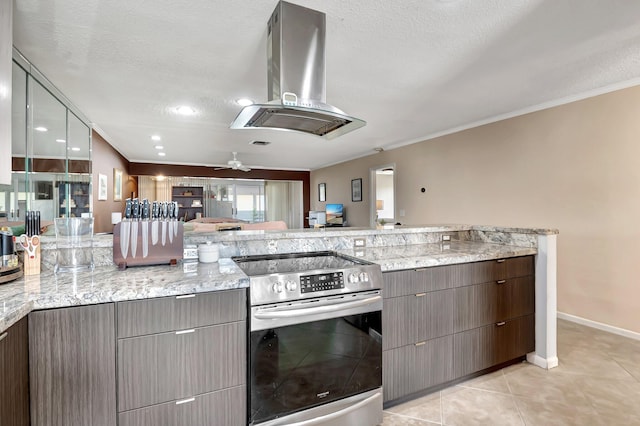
<point>108,284</point>
<point>445,253</point>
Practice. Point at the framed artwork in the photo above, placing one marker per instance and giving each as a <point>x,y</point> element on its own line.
<point>117,185</point>
<point>322,192</point>
<point>356,189</point>
<point>102,187</point>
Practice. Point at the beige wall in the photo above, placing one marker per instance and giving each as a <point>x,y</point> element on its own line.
<point>574,167</point>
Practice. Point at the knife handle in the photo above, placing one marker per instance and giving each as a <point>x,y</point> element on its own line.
<point>165,210</point>
<point>135,210</point>
<point>175,209</point>
<point>155,210</point>
<point>145,209</point>
<point>127,209</point>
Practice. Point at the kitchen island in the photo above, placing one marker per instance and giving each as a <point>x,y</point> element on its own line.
<point>401,249</point>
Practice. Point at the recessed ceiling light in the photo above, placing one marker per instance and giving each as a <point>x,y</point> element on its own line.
<point>159,147</point>
<point>162,154</point>
<point>185,110</point>
<point>75,148</point>
<point>244,102</point>
<point>155,138</point>
<point>41,129</point>
<point>61,141</point>
<point>159,178</point>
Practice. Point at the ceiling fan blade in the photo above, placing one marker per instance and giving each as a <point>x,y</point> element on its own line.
<point>244,168</point>
<point>220,168</point>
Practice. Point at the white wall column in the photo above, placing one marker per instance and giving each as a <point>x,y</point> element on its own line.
<point>546,353</point>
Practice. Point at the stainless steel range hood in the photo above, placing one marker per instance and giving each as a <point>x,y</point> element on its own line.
<point>296,78</point>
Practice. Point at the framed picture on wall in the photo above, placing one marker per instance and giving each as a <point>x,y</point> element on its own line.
<point>117,185</point>
<point>322,192</point>
<point>356,189</point>
<point>102,187</point>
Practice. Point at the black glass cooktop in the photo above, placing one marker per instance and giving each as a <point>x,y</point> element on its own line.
<point>294,263</point>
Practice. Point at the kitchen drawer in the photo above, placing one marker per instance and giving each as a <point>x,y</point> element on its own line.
<point>225,407</point>
<point>413,368</point>
<point>403,283</point>
<point>484,347</point>
<point>168,366</point>
<point>416,318</point>
<point>492,302</point>
<point>141,317</point>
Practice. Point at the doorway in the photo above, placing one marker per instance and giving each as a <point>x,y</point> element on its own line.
<point>383,189</point>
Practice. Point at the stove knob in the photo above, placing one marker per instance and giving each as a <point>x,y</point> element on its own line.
<point>353,278</point>
<point>364,277</point>
<point>277,287</point>
<point>291,286</point>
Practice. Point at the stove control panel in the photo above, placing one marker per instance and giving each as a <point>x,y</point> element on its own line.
<point>321,282</point>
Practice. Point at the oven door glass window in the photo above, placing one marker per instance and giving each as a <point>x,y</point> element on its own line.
<point>301,366</point>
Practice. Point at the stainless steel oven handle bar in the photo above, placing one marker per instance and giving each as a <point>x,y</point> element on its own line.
<point>289,313</point>
<point>337,414</point>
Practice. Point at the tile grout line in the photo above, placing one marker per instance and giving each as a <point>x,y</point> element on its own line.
<point>513,398</point>
<point>441,410</point>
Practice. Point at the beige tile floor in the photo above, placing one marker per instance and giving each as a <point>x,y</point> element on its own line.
<point>596,383</point>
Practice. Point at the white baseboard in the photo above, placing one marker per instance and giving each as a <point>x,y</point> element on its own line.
<point>600,326</point>
<point>546,363</point>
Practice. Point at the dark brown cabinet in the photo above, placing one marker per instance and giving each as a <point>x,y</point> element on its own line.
<point>72,366</point>
<point>493,344</point>
<point>446,322</point>
<point>14,375</point>
<point>182,360</point>
<point>415,367</point>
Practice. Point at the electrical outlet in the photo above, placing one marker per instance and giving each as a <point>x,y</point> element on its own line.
<point>359,242</point>
<point>402,213</point>
<point>446,238</point>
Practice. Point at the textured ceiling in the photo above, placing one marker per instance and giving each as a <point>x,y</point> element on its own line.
<point>410,68</point>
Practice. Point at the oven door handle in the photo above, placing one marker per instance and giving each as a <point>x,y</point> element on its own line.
<point>343,412</point>
<point>289,313</point>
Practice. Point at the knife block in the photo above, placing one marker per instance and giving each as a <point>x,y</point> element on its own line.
<point>31,266</point>
<point>158,254</point>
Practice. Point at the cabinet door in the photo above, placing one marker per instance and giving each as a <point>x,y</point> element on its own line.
<point>484,347</point>
<point>164,367</point>
<point>14,375</point>
<point>72,366</point>
<point>492,302</point>
<point>413,368</point>
<point>416,318</point>
<point>226,407</point>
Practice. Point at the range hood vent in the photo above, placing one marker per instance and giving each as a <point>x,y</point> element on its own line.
<point>296,78</point>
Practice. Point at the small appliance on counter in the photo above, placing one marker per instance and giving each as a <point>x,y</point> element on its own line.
<point>10,268</point>
<point>149,234</point>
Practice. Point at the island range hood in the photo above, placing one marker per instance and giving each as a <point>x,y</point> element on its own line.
<point>296,78</point>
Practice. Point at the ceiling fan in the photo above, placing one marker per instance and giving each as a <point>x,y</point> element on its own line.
<point>234,164</point>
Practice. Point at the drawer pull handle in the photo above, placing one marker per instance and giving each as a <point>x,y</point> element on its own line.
<point>420,269</point>
<point>501,323</point>
<point>501,281</point>
<point>184,401</point>
<point>186,296</point>
<point>420,294</point>
<point>421,343</point>
<point>3,335</point>
<point>500,260</point>
<point>192,330</point>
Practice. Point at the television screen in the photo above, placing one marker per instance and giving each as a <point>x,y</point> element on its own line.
<point>335,214</point>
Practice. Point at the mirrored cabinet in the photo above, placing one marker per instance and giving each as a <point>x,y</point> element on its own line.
<point>50,150</point>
